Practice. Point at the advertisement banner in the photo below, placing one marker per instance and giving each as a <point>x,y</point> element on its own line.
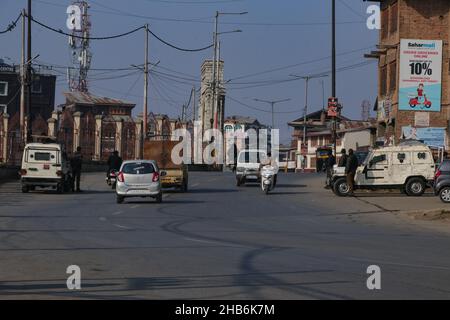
<point>420,86</point>
<point>433,137</point>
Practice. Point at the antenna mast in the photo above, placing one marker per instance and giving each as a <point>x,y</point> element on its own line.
<point>79,47</point>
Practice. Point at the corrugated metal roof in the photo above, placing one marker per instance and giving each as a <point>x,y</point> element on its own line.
<point>90,99</point>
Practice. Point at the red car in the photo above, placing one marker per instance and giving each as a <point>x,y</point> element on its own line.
<point>415,102</point>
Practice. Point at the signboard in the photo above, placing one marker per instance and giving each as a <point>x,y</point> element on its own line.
<point>333,107</point>
<point>433,137</point>
<point>420,86</point>
<point>422,119</point>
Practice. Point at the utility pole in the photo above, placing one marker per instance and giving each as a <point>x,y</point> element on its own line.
<point>333,68</point>
<point>145,115</point>
<point>214,77</point>
<point>194,103</point>
<point>22,81</point>
<point>272,104</point>
<point>29,76</point>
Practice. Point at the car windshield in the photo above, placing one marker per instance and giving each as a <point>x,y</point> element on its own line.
<point>138,168</point>
<point>251,156</point>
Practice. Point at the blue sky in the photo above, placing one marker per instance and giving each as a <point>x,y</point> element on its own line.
<point>285,35</point>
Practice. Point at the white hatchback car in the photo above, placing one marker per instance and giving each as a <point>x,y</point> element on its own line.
<point>139,178</point>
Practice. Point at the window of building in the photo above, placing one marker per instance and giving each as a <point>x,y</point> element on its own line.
<point>36,86</point>
<point>384,22</point>
<point>3,108</point>
<point>228,128</point>
<point>383,81</point>
<point>3,88</point>
<point>314,142</point>
<point>394,18</point>
<point>392,76</point>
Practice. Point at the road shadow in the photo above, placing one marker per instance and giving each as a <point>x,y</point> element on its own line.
<point>212,191</point>
<point>163,202</point>
<point>389,195</point>
<point>281,193</point>
<point>291,186</point>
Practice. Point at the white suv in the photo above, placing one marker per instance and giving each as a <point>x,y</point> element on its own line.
<point>409,166</point>
<point>248,166</point>
<point>45,165</point>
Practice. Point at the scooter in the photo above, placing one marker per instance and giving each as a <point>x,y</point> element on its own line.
<point>267,178</point>
<point>111,179</point>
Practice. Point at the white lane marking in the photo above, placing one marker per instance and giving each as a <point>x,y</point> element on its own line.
<point>135,206</point>
<point>117,213</point>
<point>122,227</point>
<point>102,219</point>
<point>195,185</point>
<point>204,241</point>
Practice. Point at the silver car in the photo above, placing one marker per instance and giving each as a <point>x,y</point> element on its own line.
<point>139,178</point>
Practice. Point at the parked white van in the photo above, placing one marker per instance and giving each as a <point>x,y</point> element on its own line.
<point>409,166</point>
<point>45,165</point>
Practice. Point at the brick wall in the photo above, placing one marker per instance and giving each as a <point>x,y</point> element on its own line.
<point>417,19</point>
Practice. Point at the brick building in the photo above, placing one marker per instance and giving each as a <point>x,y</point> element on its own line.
<point>42,92</point>
<point>411,21</point>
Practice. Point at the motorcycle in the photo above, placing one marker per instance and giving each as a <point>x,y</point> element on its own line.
<point>268,178</point>
<point>111,179</point>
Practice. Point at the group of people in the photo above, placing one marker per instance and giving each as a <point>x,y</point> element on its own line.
<point>349,161</point>
<point>76,163</point>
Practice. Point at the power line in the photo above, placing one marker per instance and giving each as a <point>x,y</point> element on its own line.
<point>296,64</point>
<point>350,67</point>
<point>12,25</point>
<point>194,2</point>
<point>203,20</point>
<point>120,36</point>
<point>176,47</point>
<point>87,38</point>
<point>351,9</point>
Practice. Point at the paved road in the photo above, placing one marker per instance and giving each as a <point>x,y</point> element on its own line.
<point>217,242</point>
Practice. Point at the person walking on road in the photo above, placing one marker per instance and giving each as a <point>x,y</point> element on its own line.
<point>76,164</point>
<point>350,170</point>
<point>343,158</point>
<point>114,162</point>
<point>329,164</point>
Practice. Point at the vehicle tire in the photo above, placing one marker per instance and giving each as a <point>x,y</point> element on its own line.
<point>415,187</point>
<point>444,194</point>
<point>266,189</point>
<point>159,198</point>
<point>184,187</point>
<point>238,182</point>
<point>60,188</point>
<point>119,199</point>
<point>25,189</point>
<point>341,188</point>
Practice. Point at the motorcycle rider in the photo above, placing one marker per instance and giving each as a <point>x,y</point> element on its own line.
<point>114,162</point>
<point>269,161</point>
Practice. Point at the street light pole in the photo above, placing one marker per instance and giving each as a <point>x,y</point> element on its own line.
<point>216,65</point>
<point>305,111</point>
<point>272,104</point>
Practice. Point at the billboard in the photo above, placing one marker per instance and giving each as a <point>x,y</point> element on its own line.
<point>420,81</point>
<point>433,137</point>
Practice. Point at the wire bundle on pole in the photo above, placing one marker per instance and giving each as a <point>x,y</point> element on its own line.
<point>12,25</point>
